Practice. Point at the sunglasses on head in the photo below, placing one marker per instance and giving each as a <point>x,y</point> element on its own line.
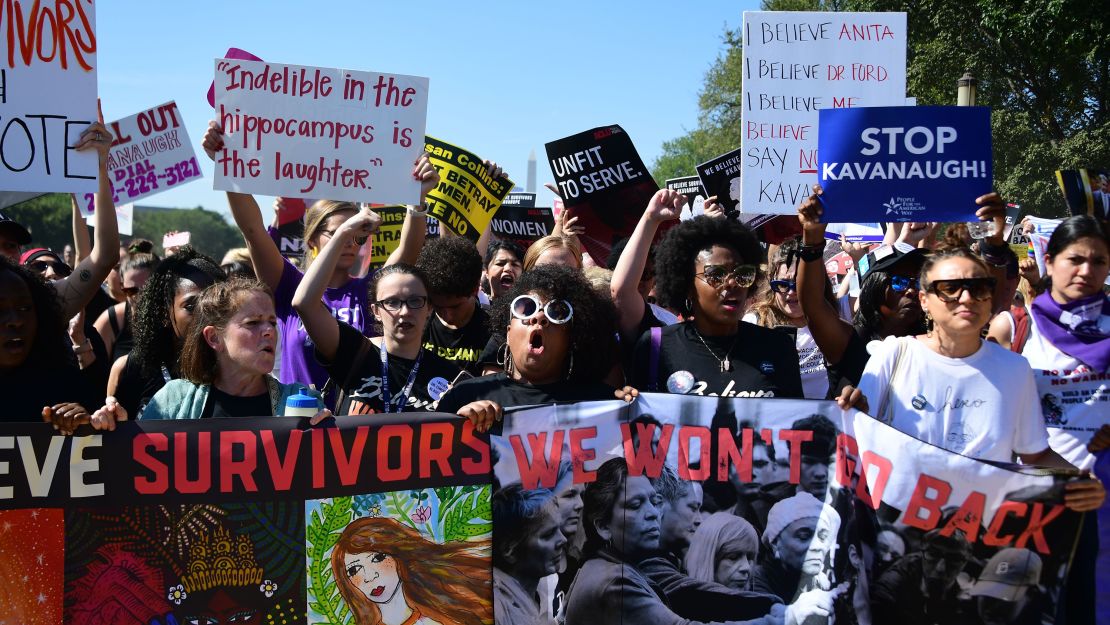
<point>980,289</point>
<point>60,268</point>
<point>717,275</point>
<point>902,284</point>
<point>557,311</point>
<point>394,304</point>
<point>783,286</point>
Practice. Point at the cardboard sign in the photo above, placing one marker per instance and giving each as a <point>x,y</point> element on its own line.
<point>795,64</point>
<point>689,186</point>
<point>467,195</point>
<point>523,225</point>
<point>152,153</point>
<point>48,96</point>
<point>603,182</point>
<point>925,163</point>
<point>300,131</point>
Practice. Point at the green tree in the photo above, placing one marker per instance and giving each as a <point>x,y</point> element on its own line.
<point>1043,68</point>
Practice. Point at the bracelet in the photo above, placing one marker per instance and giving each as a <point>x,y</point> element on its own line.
<point>810,253</point>
<point>418,213</point>
<point>84,348</point>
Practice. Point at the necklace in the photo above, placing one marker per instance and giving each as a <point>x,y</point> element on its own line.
<point>725,364</point>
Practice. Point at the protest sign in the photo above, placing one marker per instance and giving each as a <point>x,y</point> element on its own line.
<point>1086,191</point>
<point>604,183</point>
<point>290,226</point>
<point>125,219</point>
<point>689,186</point>
<point>152,153</point>
<point>758,467</point>
<point>388,236</point>
<point>468,195</point>
<point>795,64</point>
<point>925,163</point>
<point>48,97</point>
<point>164,522</point>
<point>721,177</point>
<point>11,198</point>
<point>523,199</point>
<point>298,131</point>
<point>870,233</point>
<point>232,53</point>
<point>523,225</point>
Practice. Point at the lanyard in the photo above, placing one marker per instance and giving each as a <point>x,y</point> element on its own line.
<point>403,397</point>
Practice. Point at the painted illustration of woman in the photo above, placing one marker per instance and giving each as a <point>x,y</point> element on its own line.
<point>389,574</point>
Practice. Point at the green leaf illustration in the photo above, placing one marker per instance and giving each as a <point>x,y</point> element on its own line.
<point>322,531</point>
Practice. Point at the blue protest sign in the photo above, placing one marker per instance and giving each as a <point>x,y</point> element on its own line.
<point>904,163</point>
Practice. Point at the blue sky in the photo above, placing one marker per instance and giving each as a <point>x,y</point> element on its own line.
<point>505,77</point>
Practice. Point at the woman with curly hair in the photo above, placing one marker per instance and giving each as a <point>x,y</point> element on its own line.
<point>560,343</point>
<point>779,306</point>
<point>389,574</point>
<point>38,373</point>
<point>115,324</point>
<point>162,316</point>
<point>705,268</point>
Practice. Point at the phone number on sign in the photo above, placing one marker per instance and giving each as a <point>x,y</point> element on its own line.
<point>142,182</point>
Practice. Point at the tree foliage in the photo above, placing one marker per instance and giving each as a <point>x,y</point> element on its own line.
<point>49,218</point>
<point>1043,67</point>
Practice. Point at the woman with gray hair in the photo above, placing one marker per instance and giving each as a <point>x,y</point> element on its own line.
<point>528,546</point>
<point>723,550</point>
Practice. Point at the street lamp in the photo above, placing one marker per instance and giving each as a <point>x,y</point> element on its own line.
<point>965,89</point>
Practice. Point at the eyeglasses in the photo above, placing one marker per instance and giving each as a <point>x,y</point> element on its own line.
<point>394,304</point>
<point>783,286</point>
<point>716,275</point>
<point>980,289</point>
<point>60,268</point>
<point>901,284</point>
<point>557,311</point>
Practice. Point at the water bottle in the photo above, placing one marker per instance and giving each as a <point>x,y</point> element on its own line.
<point>301,405</point>
<point>981,229</point>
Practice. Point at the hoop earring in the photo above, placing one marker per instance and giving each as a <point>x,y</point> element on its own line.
<point>689,306</point>
<point>505,359</point>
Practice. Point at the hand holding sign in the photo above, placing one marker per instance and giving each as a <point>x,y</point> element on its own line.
<point>665,205</point>
<point>426,173</point>
<point>993,209</point>
<point>809,215</point>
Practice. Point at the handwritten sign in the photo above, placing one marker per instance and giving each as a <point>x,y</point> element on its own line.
<point>298,131</point>
<point>47,96</point>
<point>923,163</point>
<point>795,64</point>
<point>468,195</point>
<point>152,153</point>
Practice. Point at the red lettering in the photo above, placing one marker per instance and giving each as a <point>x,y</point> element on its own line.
<point>348,464</point>
<point>243,469</point>
<point>28,34</point>
<point>579,455</point>
<point>968,518</point>
<point>705,438</point>
<point>139,446</point>
<point>536,468</point>
<point>847,459</point>
<point>865,490</point>
<point>992,538</point>
<point>281,469</point>
<point>794,439</point>
<point>181,480</point>
<point>728,454</point>
<point>471,466</point>
<point>1037,523</point>
<point>403,434</point>
<point>317,437</point>
<point>922,502</point>
<point>439,454</point>
<point>646,457</point>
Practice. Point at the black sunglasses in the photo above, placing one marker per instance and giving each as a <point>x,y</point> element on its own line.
<point>783,286</point>
<point>60,268</point>
<point>980,289</point>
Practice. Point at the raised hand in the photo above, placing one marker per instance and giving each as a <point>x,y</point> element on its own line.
<point>665,205</point>
<point>809,214</point>
<point>213,140</point>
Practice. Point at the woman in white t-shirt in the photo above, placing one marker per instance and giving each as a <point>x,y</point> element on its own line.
<point>779,306</point>
<point>1068,344</point>
<point>952,389</point>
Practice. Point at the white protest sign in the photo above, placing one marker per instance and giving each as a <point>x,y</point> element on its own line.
<point>299,131</point>
<point>795,64</point>
<point>47,96</point>
<point>151,153</point>
<point>125,218</point>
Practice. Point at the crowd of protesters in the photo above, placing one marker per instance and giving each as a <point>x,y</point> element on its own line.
<point>446,325</point>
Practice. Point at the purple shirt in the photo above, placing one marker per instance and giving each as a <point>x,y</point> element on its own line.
<point>347,303</point>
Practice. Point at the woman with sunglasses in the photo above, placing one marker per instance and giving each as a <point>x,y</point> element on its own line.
<point>344,295</point>
<point>388,373</point>
<point>779,307</point>
<point>705,268</point>
<point>950,388</point>
<point>560,344</point>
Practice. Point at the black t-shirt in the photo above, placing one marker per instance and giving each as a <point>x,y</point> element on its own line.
<point>29,388</point>
<point>463,346</point>
<point>764,362</point>
<point>363,394</point>
<point>509,393</point>
<point>221,405</point>
<point>134,389</point>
